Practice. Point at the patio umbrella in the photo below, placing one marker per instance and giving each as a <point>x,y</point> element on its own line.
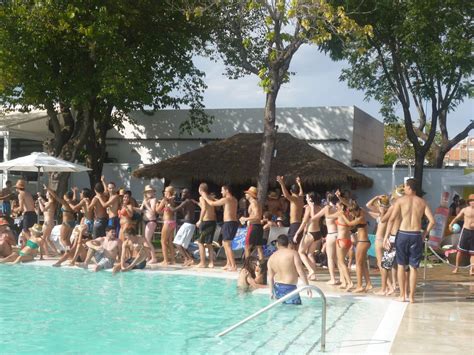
<point>37,162</point>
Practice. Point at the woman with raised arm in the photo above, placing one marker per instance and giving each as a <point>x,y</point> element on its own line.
<point>48,208</point>
<point>69,221</point>
<point>125,214</point>
<point>169,225</point>
<point>312,233</point>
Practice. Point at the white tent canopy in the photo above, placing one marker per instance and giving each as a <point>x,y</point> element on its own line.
<point>37,162</point>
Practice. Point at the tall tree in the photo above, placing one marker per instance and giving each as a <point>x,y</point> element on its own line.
<point>89,63</point>
<point>261,37</point>
<point>420,55</point>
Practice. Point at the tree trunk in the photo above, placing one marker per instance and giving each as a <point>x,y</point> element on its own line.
<point>419,165</point>
<point>96,148</point>
<point>58,182</point>
<point>266,153</point>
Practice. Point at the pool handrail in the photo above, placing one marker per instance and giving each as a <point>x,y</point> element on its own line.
<point>281,300</point>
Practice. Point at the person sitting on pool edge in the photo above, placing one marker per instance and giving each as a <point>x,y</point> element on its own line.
<point>134,252</point>
<point>30,250</point>
<point>253,274</point>
<point>105,250</point>
<point>284,267</point>
<point>78,251</point>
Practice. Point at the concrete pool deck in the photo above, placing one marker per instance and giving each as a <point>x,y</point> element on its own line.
<point>440,322</point>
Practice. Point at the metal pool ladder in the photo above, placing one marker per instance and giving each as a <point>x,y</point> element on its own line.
<point>283,299</point>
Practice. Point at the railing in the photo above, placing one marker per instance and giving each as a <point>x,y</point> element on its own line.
<point>281,300</point>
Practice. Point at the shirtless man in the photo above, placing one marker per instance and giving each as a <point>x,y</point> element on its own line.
<point>207,227</point>
<point>230,226</point>
<point>254,236</point>
<point>466,241</point>
<point>186,231</point>
<point>26,206</point>
<point>134,252</point>
<point>273,204</point>
<point>105,250</point>
<point>296,199</point>
<point>409,241</point>
<point>100,213</point>
<point>111,201</point>
<point>6,195</point>
<point>284,267</point>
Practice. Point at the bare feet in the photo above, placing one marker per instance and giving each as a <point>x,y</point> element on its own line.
<point>412,299</point>
<point>226,267</point>
<point>201,266</point>
<point>401,299</point>
<point>390,291</point>
<point>349,286</point>
<point>332,282</point>
<point>359,290</point>
<point>381,293</point>
<point>163,263</point>
<point>56,265</point>
<point>342,286</point>
<point>211,265</point>
<point>230,269</point>
<point>83,265</point>
<point>369,287</point>
<point>153,262</point>
<point>455,270</point>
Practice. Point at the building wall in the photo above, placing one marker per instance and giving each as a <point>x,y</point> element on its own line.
<point>432,183</point>
<point>153,138</point>
<point>368,139</point>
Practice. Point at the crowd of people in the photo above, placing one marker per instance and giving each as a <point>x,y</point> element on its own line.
<point>109,226</point>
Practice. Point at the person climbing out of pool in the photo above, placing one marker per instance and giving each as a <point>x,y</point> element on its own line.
<point>207,227</point>
<point>34,244</point>
<point>296,199</point>
<point>78,251</point>
<point>410,237</point>
<point>254,237</point>
<point>105,250</point>
<point>284,268</point>
<point>134,252</point>
<point>252,275</point>
<point>466,241</point>
<point>230,226</point>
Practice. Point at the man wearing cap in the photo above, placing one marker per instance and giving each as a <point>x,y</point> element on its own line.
<point>410,210</point>
<point>26,206</point>
<point>254,236</point>
<point>207,227</point>
<point>296,199</point>
<point>230,226</point>
<point>466,241</point>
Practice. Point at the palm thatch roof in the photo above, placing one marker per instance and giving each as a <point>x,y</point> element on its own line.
<point>235,160</point>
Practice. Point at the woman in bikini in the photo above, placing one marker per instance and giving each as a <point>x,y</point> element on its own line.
<point>69,221</point>
<point>34,244</point>
<point>149,208</point>
<point>252,275</point>
<point>126,214</point>
<point>312,233</point>
<point>48,208</point>
<point>378,207</point>
<point>359,221</point>
<point>169,225</point>
<point>331,236</point>
<point>343,242</point>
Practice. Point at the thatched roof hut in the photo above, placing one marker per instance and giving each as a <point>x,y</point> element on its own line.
<point>235,160</point>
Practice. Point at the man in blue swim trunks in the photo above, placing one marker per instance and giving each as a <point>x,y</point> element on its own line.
<point>284,267</point>
<point>409,241</point>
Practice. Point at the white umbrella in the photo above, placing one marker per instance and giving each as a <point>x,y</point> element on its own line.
<point>37,162</point>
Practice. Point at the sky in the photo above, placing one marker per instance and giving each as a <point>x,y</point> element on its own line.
<point>315,83</point>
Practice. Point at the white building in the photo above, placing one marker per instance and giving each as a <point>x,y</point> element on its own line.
<point>345,133</point>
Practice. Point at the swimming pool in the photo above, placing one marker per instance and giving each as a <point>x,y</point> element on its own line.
<point>48,310</point>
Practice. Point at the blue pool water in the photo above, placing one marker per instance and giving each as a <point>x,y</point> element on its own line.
<point>48,310</point>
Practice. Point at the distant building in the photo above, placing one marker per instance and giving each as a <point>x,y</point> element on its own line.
<point>462,154</point>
